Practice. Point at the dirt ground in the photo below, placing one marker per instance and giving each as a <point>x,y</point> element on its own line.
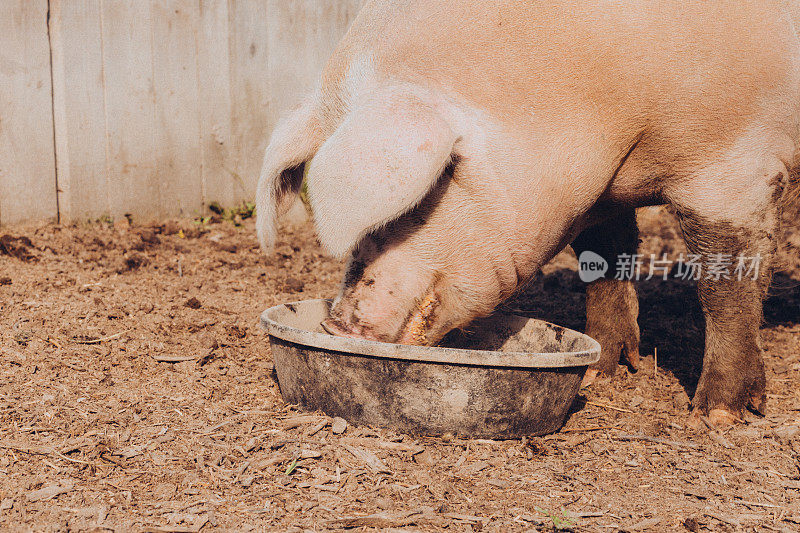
<point>138,394</point>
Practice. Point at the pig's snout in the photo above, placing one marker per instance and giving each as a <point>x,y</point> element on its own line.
<point>410,322</point>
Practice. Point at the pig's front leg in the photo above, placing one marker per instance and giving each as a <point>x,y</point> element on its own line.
<point>733,374</point>
<point>612,306</point>
<point>735,237</point>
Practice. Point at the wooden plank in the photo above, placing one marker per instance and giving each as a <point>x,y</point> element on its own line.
<point>214,88</point>
<point>27,163</point>
<point>79,108</point>
<point>250,92</point>
<point>178,163</point>
<point>159,105</point>
<point>302,36</point>
<point>278,50</point>
<point>130,108</point>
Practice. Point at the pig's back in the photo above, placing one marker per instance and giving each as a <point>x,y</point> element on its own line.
<point>625,62</point>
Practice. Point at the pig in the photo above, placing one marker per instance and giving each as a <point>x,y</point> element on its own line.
<point>452,148</point>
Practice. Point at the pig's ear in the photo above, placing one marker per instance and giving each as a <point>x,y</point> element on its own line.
<point>293,142</point>
<point>381,162</point>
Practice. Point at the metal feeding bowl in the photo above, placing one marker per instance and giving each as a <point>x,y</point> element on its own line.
<point>511,376</point>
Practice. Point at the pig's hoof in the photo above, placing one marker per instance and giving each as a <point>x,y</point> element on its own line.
<point>618,342</point>
<point>606,367</point>
<point>758,403</point>
<point>715,410</point>
<point>589,377</point>
<point>722,418</point>
<point>614,348</point>
<point>716,419</point>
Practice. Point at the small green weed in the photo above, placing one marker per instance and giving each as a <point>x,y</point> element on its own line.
<point>560,521</point>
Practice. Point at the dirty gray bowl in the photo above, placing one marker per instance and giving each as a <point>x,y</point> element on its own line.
<point>513,376</point>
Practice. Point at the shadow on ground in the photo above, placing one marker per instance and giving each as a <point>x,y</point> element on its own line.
<point>670,317</point>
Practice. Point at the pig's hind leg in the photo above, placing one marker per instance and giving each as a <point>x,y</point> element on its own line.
<point>732,224</point>
<point>612,306</point>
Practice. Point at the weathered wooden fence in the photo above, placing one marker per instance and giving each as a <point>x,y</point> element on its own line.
<point>149,107</point>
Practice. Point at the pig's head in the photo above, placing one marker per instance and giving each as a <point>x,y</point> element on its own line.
<point>426,253</point>
<point>432,269</point>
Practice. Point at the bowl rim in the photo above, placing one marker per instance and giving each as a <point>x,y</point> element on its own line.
<point>430,354</point>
